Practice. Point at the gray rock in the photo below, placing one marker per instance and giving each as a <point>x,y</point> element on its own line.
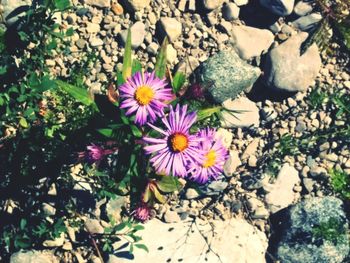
<point>230,11</point>
<point>153,48</point>
<point>171,217</point>
<point>99,3</point>
<point>33,256</point>
<point>280,194</point>
<point>228,75</point>
<point>232,163</point>
<point>298,241</point>
<point>241,113</point>
<point>191,193</point>
<point>218,186</point>
<point>251,42</point>
<point>241,2</point>
<point>138,33</point>
<point>212,4</point>
<point>80,43</point>
<point>138,5</point>
<point>182,242</point>
<point>96,42</point>
<point>48,209</point>
<point>308,184</point>
<point>57,242</point>
<point>94,226</point>
<point>308,22</point>
<point>286,69</point>
<point>114,208</point>
<point>171,27</point>
<point>11,9</point>
<point>303,8</point>
<point>279,7</point>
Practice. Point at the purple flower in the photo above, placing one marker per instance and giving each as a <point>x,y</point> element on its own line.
<point>146,95</point>
<point>95,153</point>
<point>142,212</point>
<point>215,155</point>
<point>177,148</point>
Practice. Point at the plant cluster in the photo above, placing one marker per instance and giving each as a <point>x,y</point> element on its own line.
<point>148,131</point>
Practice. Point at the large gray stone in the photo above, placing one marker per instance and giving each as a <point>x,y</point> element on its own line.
<point>280,194</point>
<point>279,7</point>
<point>138,33</point>
<point>226,75</point>
<point>289,70</point>
<point>251,42</point>
<point>99,3</point>
<point>33,256</point>
<point>138,5</point>
<point>308,22</point>
<point>298,241</point>
<point>234,240</point>
<point>241,113</point>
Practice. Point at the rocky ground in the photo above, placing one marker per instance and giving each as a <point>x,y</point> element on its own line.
<point>251,51</point>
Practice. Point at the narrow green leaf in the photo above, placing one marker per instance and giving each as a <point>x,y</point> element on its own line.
<point>160,67</point>
<point>178,81</point>
<point>106,132</point>
<point>147,195</point>
<point>206,113</point>
<point>142,246</point>
<point>136,67</point>
<point>135,131</point>
<point>127,60</point>
<point>79,94</point>
<point>23,224</point>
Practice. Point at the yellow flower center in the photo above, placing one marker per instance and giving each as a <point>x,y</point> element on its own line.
<point>210,159</point>
<point>144,95</point>
<point>178,142</point>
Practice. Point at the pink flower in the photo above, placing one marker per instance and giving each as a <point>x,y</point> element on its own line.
<point>95,153</point>
<point>142,212</point>
<point>145,95</point>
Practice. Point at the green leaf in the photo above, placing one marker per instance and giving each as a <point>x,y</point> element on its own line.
<point>147,195</point>
<point>168,184</point>
<point>178,81</point>
<point>22,242</point>
<point>120,227</point>
<point>120,79</point>
<point>62,4</point>
<point>79,94</point>
<point>23,122</point>
<point>23,224</point>
<point>158,195</point>
<point>344,29</point>
<point>106,132</point>
<point>127,60</point>
<point>160,67</point>
<point>44,84</point>
<point>135,131</point>
<point>142,246</point>
<point>136,67</point>
<point>138,228</point>
<point>208,112</point>
<point>3,70</point>
<point>70,32</point>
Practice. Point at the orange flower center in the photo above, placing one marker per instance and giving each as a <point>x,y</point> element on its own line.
<point>178,142</point>
<point>144,95</point>
<point>210,159</point>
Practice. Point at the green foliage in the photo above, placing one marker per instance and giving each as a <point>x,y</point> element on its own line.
<point>179,81</point>
<point>24,76</point>
<point>332,230</point>
<point>317,98</point>
<point>125,233</point>
<point>160,67</point>
<point>127,60</point>
<point>340,182</point>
